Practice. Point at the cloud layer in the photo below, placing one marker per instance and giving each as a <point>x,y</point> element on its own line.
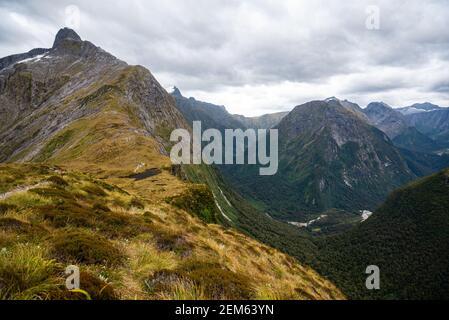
<point>258,56</point>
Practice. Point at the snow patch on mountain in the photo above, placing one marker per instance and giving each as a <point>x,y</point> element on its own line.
<point>33,59</point>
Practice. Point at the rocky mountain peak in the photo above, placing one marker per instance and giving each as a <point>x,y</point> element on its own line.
<point>378,107</point>
<point>332,99</point>
<point>385,118</point>
<point>176,92</point>
<point>65,34</point>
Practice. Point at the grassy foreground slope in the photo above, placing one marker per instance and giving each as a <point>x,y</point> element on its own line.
<point>237,212</point>
<point>130,247</point>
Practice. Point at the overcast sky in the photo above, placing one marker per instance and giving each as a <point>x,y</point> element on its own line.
<point>257,57</point>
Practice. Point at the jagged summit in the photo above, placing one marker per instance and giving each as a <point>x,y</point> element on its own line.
<point>176,92</point>
<point>332,99</point>
<point>65,34</point>
<point>343,104</point>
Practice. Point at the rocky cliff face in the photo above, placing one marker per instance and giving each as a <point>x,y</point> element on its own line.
<point>353,108</point>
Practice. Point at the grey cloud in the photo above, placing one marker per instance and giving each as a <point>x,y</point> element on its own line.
<point>209,44</point>
<point>442,87</point>
<point>376,86</point>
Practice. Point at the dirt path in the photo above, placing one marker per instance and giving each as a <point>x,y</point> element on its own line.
<point>16,190</point>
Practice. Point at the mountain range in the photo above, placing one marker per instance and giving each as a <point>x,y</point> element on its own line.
<point>85,179</point>
<point>333,155</point>
<point>328,158</point>
<point>213,116</point>
<point>410,127</point>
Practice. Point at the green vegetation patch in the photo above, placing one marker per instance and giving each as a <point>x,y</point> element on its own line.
<point>58,181</point>
<point>21,228</point>
<point>407,238</point>
<point>84,247</point>
<point>24,271</point>
<point>5,207</point>
<point>199,201</point>
<point>55,144</point>
<point>92,288</point>
<point>94,190</point>
<point>14,175</point>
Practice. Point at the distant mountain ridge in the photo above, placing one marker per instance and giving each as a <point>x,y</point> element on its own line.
<point>433,123</point>
<point>408,127</point>
<point>211,116</point>
<point>329,157</point>
<point>214,116</point>
<point>418,108</point>
<point>9,60</point>
<point>385,118</point>
<point>320,127</point>
<point>266,121</point>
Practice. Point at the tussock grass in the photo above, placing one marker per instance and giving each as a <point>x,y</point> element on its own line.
<point>184,290</point>
<point>199,201</point>
<point>25,200</point>
<point>147,259</point>
<point>5,208</point>
<point>135,243</point>
<point>26,271</point>
<point>76,246</point>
